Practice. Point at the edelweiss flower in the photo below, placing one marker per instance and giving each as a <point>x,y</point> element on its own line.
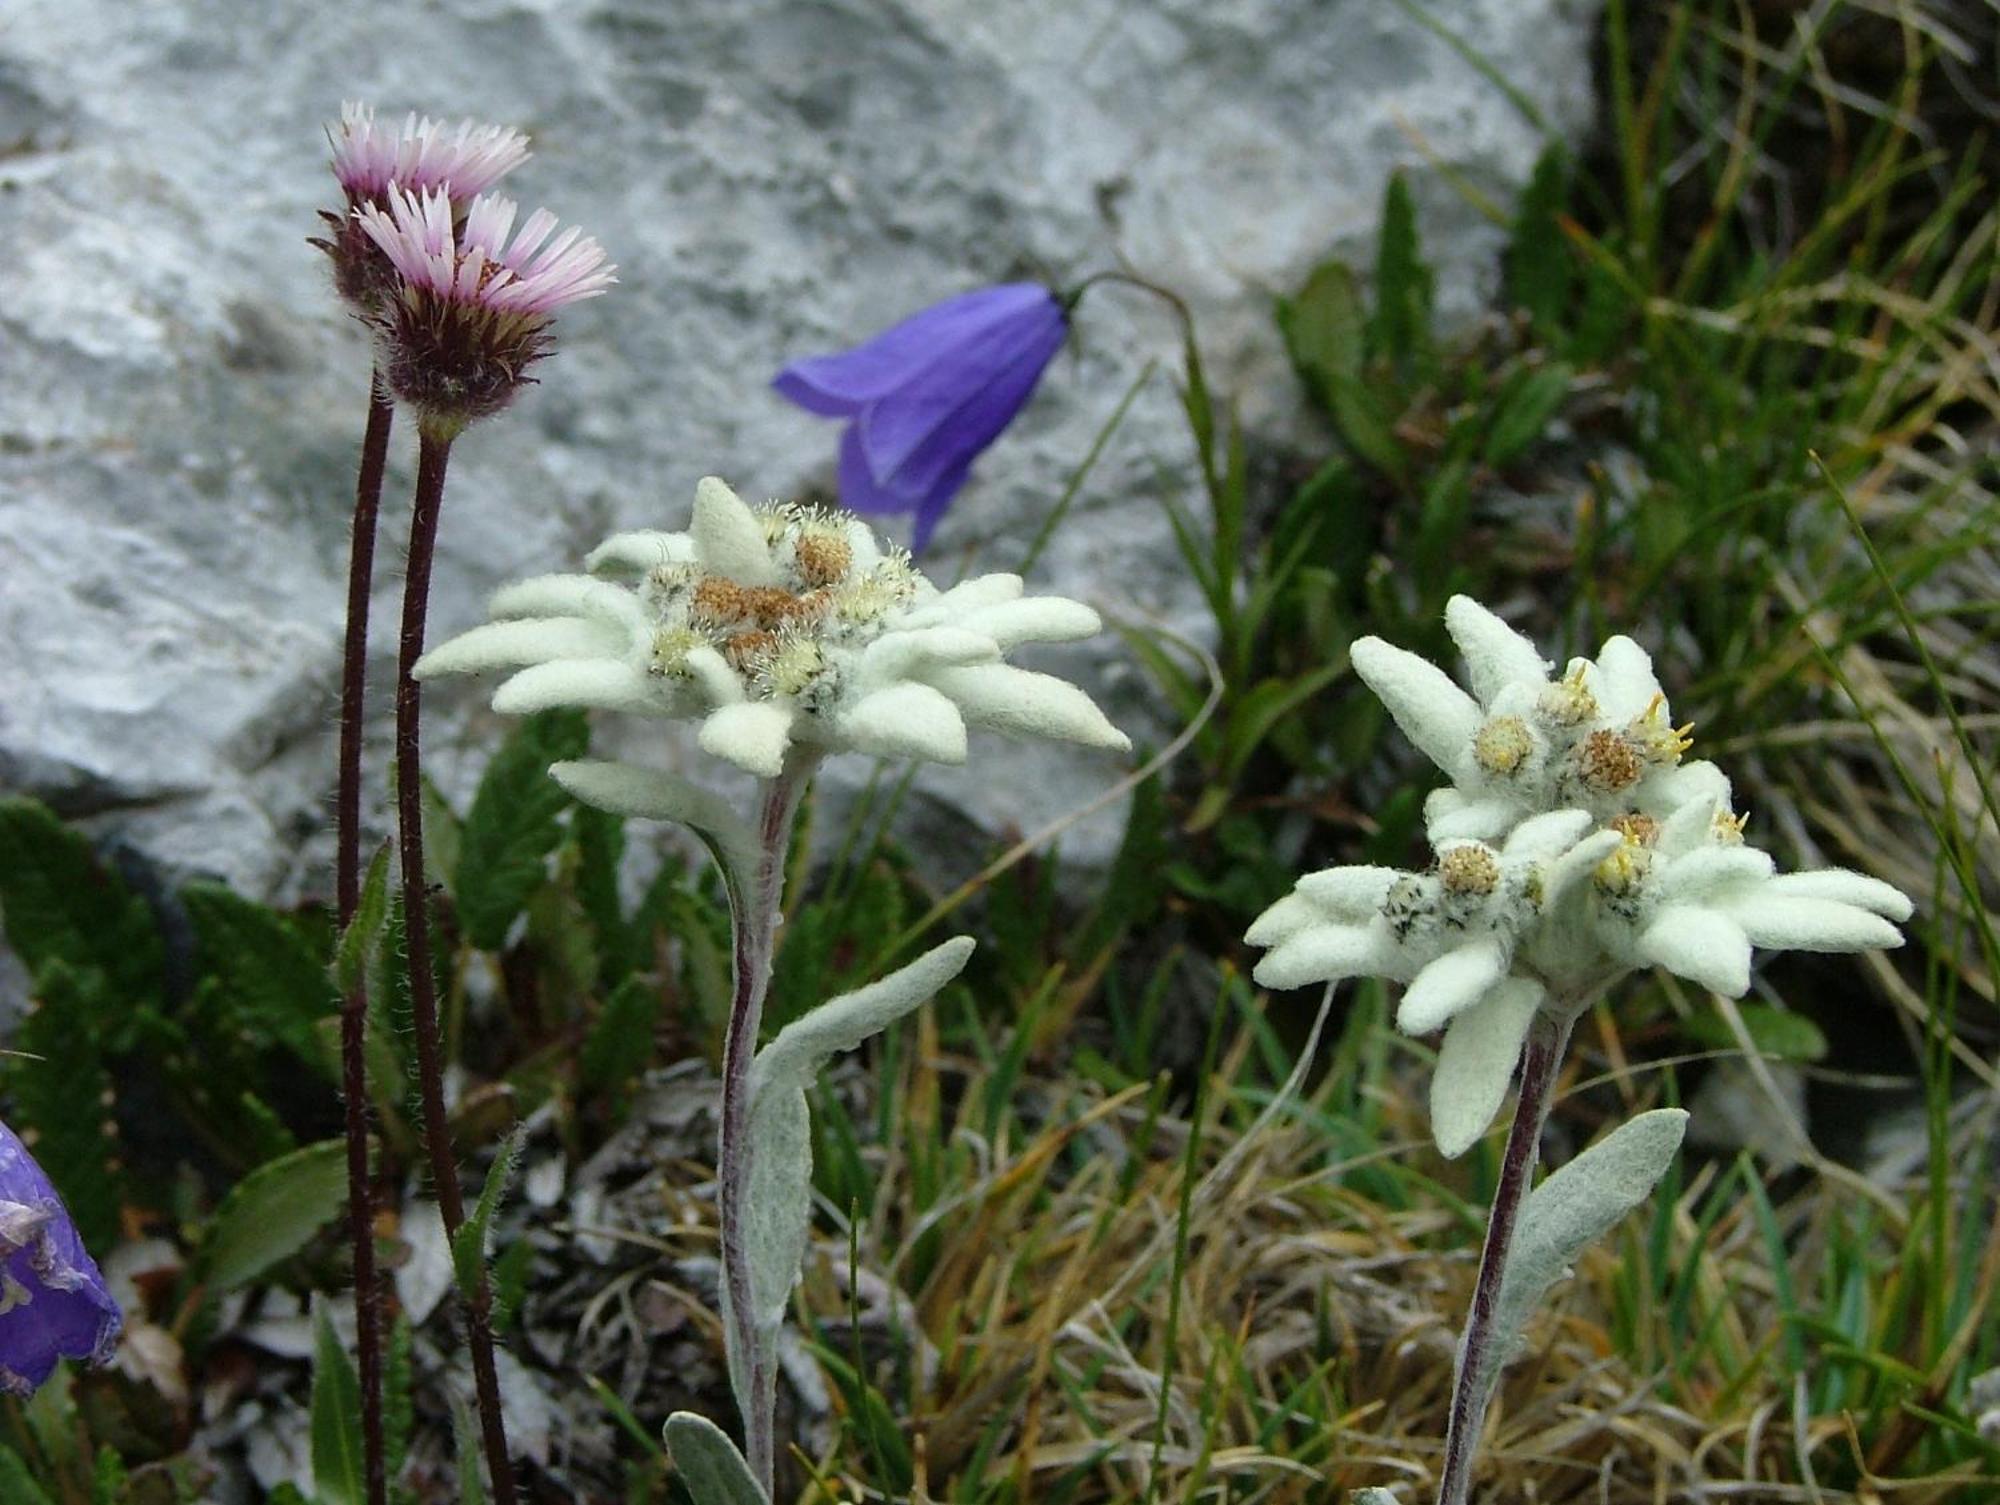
<point>1612,855</point>
<point>53,1302</point>
<point>927,396</point>
<point>1690,895</point>
<point>782,626</point>
<point>369,159</point>
<point>473,311</point>
<point>1599,738</point>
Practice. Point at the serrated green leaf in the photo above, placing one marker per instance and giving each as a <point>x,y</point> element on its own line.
<point>269,983</point>
<point>1399,328</point>
<point>1774,1031</point>
<point>468,1247</point>
<point>361,941</point>
<point>1525,407</point>
<point>620,1044</point>
<point>514,824</point>
<point>59,903</point>
<point>62,1095</point>
<point>272,1213</point>
<point>17,1485</point>
<point>1366,425</point>
<point>1539,262</point>
<point>339,1476</point>
<point>1325,327</point>
<point>599,837</point>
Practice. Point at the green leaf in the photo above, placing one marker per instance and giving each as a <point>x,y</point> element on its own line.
<point>272,1213</point>
<point>62,1095</point>
<point>1539,263</point>
<point>1325,327</point>
<point>1774,1031</point>
<point>1399,330</point>
<point>17,1485</point>
<point>269,982</point>
<point>869,1414</point>
<point>361,942</point>
<point>620,1044</point>
<point>59,903</point>
<point>1525,407</point>
<point>708,1462</point>
<point>510,1282</point>
<point>338,1471</point>
<point>398,1398</point>
<point>513,825</point>
<point>471,1480</point>
<point>468,1248</point>
<point>108,1480</point>
<point>599,837</point>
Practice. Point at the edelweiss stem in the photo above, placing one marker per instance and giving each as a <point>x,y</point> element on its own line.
<point>347,894</point>
<point>433,453</point>
<point>758,901</point>
<point>1472,1383</point>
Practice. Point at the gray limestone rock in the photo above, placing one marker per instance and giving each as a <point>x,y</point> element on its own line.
<point>180,398</point>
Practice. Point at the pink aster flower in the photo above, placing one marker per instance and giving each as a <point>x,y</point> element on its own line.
<point>371,158</point>
<point>474,308</point>
<point>464,160</point>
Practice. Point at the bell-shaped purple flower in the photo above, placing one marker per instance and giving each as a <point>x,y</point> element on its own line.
<point>927,396</point>
<point>53,1302</point>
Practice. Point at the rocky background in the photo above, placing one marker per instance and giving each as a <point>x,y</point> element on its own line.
<point>181,400</point>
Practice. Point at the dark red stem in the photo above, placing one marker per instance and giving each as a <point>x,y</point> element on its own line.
<point>347,893</point>
<point>1472,1386</point>
<point>433,453</point>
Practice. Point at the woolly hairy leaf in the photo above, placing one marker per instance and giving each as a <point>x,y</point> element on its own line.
<point>1571,1210</point>
<point>338,1471</point>
<point>62,1093</point>
<point>778,1199</point>
<point>272,1213</point>
<point>269,982</point>
<point>59,903</point>
<point>513,825</point>
<point>708,1462</point>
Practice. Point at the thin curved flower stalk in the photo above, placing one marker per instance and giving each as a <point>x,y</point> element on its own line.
<point>786,634</point>
<point>471,310</point>
<point>369,159</point>
<point>1575,844</point>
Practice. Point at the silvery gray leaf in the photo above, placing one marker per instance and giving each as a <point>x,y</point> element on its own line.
<point>1571,1210</point>
<point>708,1462</point>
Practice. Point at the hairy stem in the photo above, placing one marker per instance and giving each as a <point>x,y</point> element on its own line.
<point>433,453</point>
<point>756,907</point>
<point>1478,1365</point>
<point>347,892</point>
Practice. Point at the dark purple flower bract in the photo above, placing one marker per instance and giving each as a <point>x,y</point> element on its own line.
<point>927,396</point>
<point>53,1302</point>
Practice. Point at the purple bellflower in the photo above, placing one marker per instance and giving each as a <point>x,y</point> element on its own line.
<point>927,396</point>
<point>53,1301</point>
